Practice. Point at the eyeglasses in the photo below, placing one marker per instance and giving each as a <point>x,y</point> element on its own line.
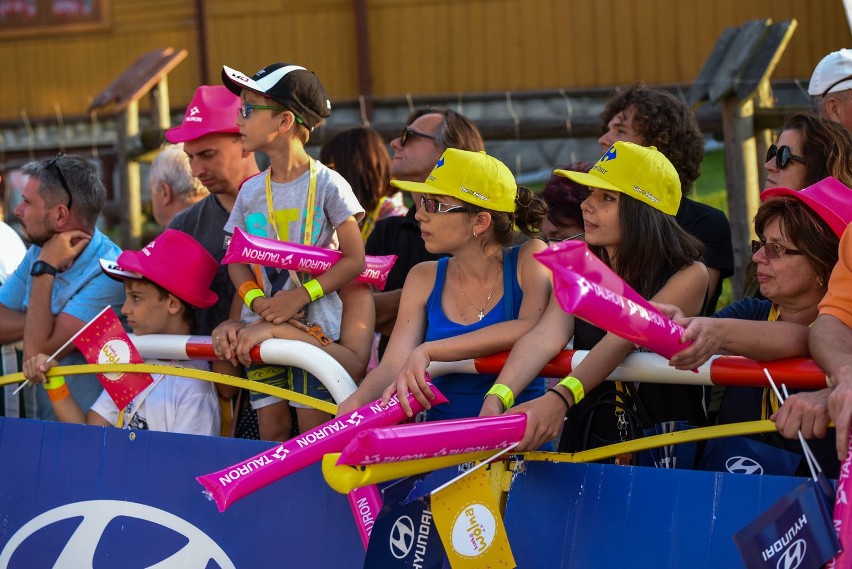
<point>432,205</point>
<point>561,239</point>
<point>407,133</point>
<point>772,250</point>
<point>55,163</point>
<point>246,109</point>
<point>782,155</point>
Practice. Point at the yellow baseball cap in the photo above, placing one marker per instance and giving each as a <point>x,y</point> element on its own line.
<point>640,172</point>
<point>472,177</point>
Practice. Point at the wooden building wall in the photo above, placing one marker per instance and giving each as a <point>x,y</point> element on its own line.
<point>416,46</point>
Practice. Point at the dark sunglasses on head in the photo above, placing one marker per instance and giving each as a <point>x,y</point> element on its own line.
<point>772,250</point>
<point>432,205</point>
<point>54,162</point>
<point>408,132</point>
<point>782,155</point>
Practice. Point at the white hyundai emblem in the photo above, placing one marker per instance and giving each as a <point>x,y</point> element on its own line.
<point>793,555</point>
<point>79,551</point>
<point>743,465</point>
<point>402,537</point>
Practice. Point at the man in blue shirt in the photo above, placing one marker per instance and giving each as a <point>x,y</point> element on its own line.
<point>59,285</point>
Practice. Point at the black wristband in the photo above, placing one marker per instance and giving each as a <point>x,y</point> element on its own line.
<point>562,397</point>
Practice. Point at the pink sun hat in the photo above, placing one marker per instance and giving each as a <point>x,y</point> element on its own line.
<point>830,199</point>
<point>213,109</point>
<point>176,262</point>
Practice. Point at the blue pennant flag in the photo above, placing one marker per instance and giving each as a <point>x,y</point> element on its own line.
<point>794,533</point>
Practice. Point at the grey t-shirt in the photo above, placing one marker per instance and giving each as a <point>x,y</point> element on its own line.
<point>334,203</point>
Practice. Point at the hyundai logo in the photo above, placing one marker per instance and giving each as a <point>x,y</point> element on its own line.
<point>743,465</point>
<point>79,551</point>
<point>793,555</point>
<point>402,537</point>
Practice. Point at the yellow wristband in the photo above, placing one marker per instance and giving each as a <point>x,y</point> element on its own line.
<point>573,385</point>
<point>314,289</point>
<point>54,382</point>
<point>504,394</point>
<point>251,295</point>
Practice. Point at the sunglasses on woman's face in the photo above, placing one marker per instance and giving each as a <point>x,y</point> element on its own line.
<point>782,155</point>
<point>432,205</point>
<point>772,250</point>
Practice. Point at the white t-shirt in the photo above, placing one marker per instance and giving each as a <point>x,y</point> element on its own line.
<point>12,251</point>
<point>171,404</point>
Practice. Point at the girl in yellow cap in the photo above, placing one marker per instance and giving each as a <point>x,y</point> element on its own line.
<point>476,303</point>
<point>629,223</point>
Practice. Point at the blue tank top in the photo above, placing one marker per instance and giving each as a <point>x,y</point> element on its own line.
<point>466,390</point>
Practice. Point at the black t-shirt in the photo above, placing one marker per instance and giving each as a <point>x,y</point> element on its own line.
<point>711,227</point>
<point>205,221</point>
<point>400,236</point>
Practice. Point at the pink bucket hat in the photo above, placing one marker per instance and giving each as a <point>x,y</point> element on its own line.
<point>829,198</point>
<point>213,109</point>
<point>173,260</point>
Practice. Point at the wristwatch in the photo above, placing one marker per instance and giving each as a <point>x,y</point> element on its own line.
<point>42,268</point>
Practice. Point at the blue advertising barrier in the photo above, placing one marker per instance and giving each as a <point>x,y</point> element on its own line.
<point>601,515</point>
<point>77,497</point>
<point>73,496</point>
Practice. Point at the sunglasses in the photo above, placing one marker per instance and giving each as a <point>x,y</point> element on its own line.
<point>54,162</point>
<point>434,206</point>
<point>835,84</point>
<point>772,250</point>
<point>246,109</point>
<point>407,133</point>
<point>782,155</point>
<point>561,239</point>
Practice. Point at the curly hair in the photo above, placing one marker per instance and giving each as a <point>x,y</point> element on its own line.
<point>564,196</point>
<point>666,122</point>
<point>827,147</point>
<point>529,212</point>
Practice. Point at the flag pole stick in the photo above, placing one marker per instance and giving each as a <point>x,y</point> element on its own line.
<point>62,347</point>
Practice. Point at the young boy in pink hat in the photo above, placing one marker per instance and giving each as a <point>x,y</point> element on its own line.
<point>163,282</point>
<point>298,200</point>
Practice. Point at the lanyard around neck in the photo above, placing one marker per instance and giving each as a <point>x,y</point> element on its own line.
<point>308,224</point>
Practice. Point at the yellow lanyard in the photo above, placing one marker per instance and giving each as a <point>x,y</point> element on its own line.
<point>370,219</point>
<point>308,225</point>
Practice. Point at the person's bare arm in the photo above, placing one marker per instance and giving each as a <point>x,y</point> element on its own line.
<point>831,347</point>
<point>387,307</point>
<point>11,325</point>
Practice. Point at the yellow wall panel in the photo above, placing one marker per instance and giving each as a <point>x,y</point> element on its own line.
<point>416,47</point>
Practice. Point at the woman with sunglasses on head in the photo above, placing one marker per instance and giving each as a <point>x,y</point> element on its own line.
<point>629,220</point>
<point>809,148</point>
<point>476,303</point>
<point>799,233</point>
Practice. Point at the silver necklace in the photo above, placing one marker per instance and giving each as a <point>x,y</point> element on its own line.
<point>481,314</point>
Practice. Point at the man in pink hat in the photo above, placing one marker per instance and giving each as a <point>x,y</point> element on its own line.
<point>164,283</point>
<point>211,140</point>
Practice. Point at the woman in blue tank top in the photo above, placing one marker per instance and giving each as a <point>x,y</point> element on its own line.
<point>475,303</point>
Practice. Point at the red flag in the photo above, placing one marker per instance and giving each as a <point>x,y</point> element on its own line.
<point>104,341</point>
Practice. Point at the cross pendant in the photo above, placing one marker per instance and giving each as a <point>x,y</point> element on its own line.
<point>481,314</point>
